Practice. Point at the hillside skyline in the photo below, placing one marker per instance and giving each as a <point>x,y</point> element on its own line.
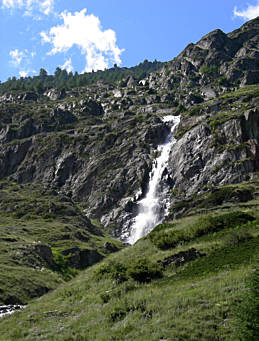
<point>96,35</point>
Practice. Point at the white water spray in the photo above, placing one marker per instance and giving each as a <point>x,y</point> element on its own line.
<point>151,208</point>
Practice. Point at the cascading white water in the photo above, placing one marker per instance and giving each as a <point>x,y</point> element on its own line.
<point>151,208</point>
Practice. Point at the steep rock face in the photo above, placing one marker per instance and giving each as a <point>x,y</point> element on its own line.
<point>72,146</point>
<point>195,162</point>
<point>220,146</point>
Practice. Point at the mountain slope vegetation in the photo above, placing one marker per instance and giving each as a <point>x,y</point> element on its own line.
<point>67,80</point>
<point>186,291</point>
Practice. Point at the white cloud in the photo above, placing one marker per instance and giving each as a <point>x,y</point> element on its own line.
<point>23,73</point>
<point>67,65</point>
<point>17,56</point>
<point>84,31</point>
<point>21,58</point>
<point>45,6</point>
<point>45,38</point>
<point>12,3</point>
<point>251,12</point>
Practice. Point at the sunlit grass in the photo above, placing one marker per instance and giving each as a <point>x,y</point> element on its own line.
<point>195,301</point>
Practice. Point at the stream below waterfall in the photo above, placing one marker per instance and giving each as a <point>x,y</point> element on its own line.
<point>154,206</point>
<point>9,309</point>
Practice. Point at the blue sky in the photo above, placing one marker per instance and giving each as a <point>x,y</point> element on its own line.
<point>82,35</point>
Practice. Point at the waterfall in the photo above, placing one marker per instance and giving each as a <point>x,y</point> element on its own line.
<point>154,206</point>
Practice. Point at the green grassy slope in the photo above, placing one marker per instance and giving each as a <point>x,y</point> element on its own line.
<point>129,296</point>
<point>36,226</point>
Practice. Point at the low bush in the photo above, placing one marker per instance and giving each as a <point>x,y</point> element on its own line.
<point>208,69</point>
<point>234,238</point>
<point>62,267</point>
<point>169,238</point>
<point>161,227</point>
<point>180,108</point>
<point>141,270</point>
<point>220,195</point>
<point>213,197</point>
<point>209,224</point>
<point>196,111</point>
<point>114,270</point>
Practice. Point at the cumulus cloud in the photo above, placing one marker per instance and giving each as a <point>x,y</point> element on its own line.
<point>67,65</point>
<point>251,12</point>
<point>84,31</point>
<point>45,6</point>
